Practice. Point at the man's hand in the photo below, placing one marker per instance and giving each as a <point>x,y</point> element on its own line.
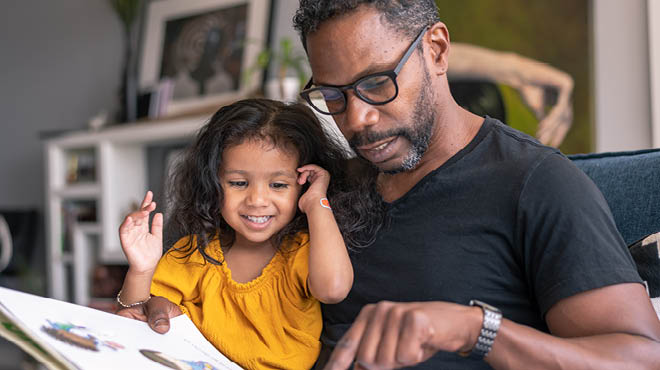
<point>390,335</point>
<point>157,312</point>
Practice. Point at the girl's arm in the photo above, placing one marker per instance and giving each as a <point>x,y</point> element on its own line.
<point>143,249</point>
<point>330,270</point>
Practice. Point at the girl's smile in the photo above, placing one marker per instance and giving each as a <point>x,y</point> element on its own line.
<point>257,222</point>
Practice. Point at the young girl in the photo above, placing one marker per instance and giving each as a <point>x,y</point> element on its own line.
<point>260,244</point>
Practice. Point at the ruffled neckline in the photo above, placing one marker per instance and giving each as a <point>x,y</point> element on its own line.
<point>265,275</point>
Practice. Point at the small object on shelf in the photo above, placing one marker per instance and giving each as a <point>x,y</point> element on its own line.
<point>286,60</point>
<point>80,166</point>
<point>98,121</point>
<point>79,211</point>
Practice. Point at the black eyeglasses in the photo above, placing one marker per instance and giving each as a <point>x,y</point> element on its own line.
<point>376,89</point>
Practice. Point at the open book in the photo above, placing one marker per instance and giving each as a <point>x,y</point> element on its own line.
<point>63,335</point>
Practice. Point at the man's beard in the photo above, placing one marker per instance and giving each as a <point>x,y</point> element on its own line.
<point>418,132</point>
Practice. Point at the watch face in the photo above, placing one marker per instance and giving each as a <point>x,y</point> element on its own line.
<point>475,302</point>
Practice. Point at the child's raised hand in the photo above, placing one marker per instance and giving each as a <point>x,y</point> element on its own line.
<point>142,248</point>
<point>319,180</point>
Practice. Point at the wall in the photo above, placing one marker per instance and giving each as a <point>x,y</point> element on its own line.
<point>621,75</point>
<point>283,11</point>
<point>60,65</point>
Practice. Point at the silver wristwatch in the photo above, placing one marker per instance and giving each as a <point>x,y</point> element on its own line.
<point>489,328</point>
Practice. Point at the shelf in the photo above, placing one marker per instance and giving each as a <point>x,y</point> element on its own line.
<point>94,179</point>
<point>66,258</point>
<point>89,228</point>
<point>79,191</point>
<point>139,132</point>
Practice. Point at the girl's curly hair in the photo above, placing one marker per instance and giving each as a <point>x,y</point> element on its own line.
<point>196,197</point>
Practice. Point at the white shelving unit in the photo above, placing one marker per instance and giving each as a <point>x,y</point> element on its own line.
<point>119,179</point>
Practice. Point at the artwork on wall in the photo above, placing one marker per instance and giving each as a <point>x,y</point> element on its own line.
<point>199,48</point>
<point>527,63</point>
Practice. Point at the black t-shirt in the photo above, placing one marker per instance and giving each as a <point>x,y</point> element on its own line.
<point>507,221</point>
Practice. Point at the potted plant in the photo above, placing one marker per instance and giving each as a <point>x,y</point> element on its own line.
<point>290,72</point>
<point>128,12</point>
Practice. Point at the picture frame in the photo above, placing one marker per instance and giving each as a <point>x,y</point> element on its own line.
<point>202,47</point>
<point>550,43</point>
<point>654,60</point>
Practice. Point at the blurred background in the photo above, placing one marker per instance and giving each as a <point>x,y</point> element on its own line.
<point>99,96</point>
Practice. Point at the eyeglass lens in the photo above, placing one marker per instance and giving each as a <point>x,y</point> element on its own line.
<point>373,89</point>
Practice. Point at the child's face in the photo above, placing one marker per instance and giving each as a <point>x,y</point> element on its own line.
<point>260,190</point>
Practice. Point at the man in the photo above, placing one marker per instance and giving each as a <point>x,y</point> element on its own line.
<point>478,213</point>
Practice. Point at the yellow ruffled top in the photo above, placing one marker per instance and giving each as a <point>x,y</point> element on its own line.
<point>271,322</point>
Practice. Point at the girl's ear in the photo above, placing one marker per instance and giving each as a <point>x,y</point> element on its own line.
<point>437,39</point>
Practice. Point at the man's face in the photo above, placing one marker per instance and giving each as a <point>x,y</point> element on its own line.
<point>393,136</point>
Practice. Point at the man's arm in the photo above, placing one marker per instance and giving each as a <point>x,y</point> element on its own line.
<point>613,327</point>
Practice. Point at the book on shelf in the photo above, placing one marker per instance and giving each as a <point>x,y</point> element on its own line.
<point>81,166</point>
<point>63,335</point>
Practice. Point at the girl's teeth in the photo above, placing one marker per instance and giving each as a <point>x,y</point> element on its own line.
<point>259,220</point>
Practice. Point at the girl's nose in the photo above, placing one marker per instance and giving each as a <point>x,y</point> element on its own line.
<point>257,196</point>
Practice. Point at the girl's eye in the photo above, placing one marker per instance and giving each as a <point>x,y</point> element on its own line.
<point>238,184</point>
<point>279,185</point>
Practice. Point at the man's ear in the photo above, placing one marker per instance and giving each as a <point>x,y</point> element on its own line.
<point>438,37</point>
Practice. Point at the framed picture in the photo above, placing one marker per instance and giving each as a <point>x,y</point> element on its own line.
<point>201,47</point>
<point>527,63</point>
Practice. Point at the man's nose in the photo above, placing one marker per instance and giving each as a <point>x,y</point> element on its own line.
<point>358,115</point>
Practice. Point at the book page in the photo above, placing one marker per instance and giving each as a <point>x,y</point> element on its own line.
<point>14,334</point>
<point>91,339</point>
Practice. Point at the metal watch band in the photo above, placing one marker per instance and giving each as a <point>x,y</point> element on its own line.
<point>489,328</point>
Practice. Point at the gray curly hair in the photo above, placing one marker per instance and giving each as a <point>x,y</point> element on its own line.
<point>405,16</point>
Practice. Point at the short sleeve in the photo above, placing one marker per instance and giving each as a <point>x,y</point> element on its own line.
<point>297,267</point>
<point>570,243</point>
<point>177,276</point>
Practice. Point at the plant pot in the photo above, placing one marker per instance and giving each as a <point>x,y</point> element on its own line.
<point>285,90</point>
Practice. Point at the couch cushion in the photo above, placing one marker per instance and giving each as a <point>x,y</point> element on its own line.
<point>630,182</point>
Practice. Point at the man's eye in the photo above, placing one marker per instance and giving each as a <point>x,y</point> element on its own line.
<point>374,83</point>
<point>279,185</point>
<point>238,184</point>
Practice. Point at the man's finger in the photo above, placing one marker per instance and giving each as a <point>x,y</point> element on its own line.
<point>344,353</point>
<point>386,354</point>
<point>416,333</point>
<point>159,312</point>
<point>134,313</point>
<point>373,334</point>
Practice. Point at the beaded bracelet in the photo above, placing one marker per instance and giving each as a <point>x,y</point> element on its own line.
<point>132,304</point>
